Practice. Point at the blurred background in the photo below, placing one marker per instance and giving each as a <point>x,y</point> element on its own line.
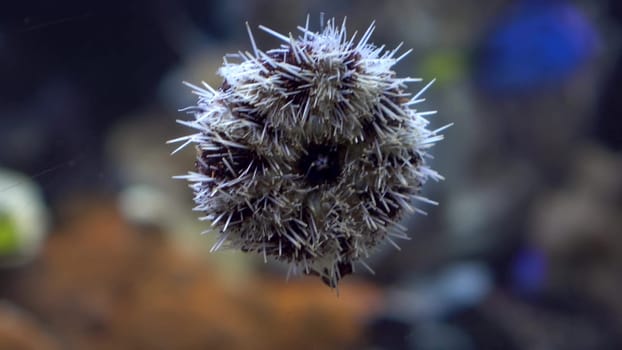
<point>99,248</point>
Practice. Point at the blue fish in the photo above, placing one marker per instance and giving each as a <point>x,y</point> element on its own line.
<point>529,271</point>
<point>535,43</point>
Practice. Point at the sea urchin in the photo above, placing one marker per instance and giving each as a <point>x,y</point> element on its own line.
<point>309,153</point>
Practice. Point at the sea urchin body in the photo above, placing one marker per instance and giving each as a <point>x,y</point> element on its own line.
<point>309,153</point>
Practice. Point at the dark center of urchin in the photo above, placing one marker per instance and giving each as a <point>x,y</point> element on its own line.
<point>320,165</point>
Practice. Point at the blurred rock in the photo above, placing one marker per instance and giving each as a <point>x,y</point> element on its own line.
<point>584,212</point>
<point>548,327</point>
<point>19,331</point>
<point>101,284</point>
<point>578,227</point>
